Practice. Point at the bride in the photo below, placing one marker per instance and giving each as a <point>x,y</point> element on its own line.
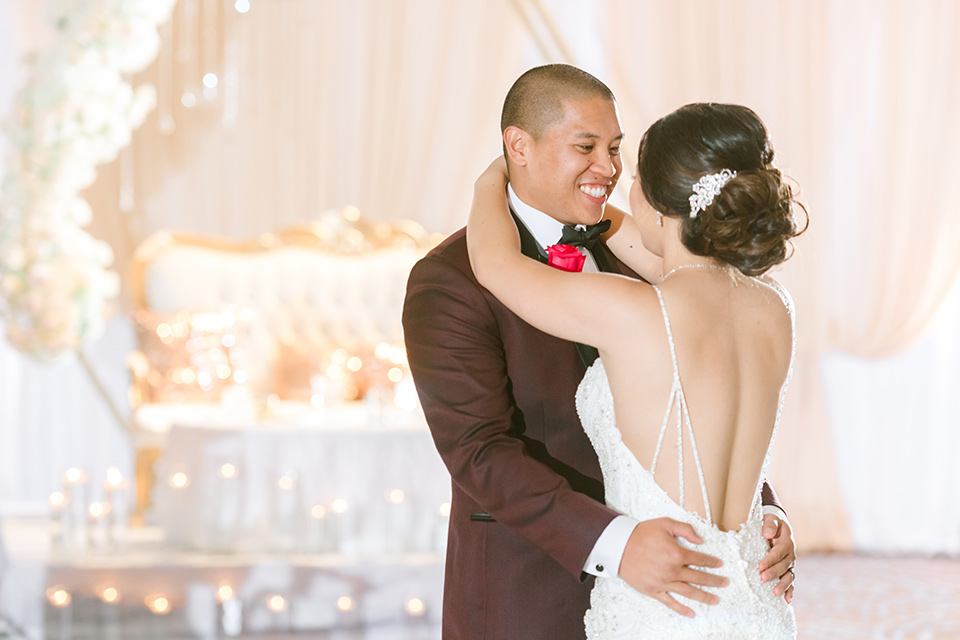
<point>683,404</point>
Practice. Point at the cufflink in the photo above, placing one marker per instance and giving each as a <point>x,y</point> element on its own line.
<point>599,568</point>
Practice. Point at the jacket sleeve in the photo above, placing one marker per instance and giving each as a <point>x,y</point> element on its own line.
<point>768,498</point>
<point>458,362</point>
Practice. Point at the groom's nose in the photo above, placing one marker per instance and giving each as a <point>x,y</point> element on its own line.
<point>605,165</point>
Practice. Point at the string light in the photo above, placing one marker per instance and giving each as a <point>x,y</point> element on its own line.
<point>228,471</point>
<point>242,6</point>
<point>396,496</point>
<point>345,603</point>
<point>340,505</point>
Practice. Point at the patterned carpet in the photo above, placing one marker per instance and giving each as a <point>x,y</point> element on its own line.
<point>873,598</point>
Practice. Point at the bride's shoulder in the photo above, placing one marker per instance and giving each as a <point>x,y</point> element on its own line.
<point>782,292</point>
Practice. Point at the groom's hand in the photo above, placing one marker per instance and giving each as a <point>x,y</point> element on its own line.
<point>779,562</point>
<point>655,564</point>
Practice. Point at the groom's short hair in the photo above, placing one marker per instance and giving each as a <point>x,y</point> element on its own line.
<point>535,100</point>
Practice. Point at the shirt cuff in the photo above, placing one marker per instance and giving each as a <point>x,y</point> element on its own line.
<point>772,510</point>
<point>607,553</point>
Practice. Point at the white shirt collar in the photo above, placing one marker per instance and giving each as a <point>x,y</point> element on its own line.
<point>545,230</point>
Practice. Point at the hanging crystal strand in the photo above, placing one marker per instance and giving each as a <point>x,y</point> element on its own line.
<point>231,70</point>
<point>186,52</point>
<point>166,125</point>
<point>210,42</point>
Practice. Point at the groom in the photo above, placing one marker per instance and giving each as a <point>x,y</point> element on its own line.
<point>527,520</point>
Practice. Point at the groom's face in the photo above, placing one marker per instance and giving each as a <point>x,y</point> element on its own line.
<point>575,164</point>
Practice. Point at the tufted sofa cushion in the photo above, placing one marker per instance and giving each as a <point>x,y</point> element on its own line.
<point>280,305</point>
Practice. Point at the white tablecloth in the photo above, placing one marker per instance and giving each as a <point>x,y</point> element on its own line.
<point>350,486</point>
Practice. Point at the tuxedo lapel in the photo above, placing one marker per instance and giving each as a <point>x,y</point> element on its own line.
<point>528,245</point>
<point>532,249</point>
<point>604,259</point>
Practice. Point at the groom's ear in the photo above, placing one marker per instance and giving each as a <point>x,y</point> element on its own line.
<point>516,144</point>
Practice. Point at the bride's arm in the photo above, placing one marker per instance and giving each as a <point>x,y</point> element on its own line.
<point>623,239</point>
<point>581,307</point>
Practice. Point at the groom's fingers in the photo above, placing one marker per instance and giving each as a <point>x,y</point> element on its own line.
<point>778,561</point>
<point>783,551</point>
<point>702,578</point>
<point>669,601</point>
<point>683,530</point>
<point>696,559</point>
<point>775,564</point>
<point>687,591</point>
<point>786,581</point>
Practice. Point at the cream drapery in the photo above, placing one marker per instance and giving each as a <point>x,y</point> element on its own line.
<point>389,106</point>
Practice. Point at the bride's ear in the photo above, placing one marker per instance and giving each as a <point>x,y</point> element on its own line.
<point>516,144</point>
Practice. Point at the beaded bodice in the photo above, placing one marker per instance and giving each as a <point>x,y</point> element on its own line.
<point>748,608</point>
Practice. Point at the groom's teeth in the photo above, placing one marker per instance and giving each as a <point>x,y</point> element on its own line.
<point>596,192</point>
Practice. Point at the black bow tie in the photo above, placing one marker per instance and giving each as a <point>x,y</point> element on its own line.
<point>587,238</point>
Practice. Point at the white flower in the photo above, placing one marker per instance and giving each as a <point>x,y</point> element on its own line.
<point>76,112</point>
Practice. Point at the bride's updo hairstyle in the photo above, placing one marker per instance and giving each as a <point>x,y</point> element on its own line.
<point>750,222</point>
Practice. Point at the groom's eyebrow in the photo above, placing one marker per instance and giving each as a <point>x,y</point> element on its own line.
<point>592,136</point>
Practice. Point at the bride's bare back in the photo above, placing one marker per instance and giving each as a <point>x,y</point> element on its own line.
<point>733,339</point>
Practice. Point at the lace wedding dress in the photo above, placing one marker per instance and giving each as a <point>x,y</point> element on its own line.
<point>748,608</point>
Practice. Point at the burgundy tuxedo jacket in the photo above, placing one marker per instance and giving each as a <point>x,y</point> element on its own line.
<point>499,399</point>
<point>527,497</point>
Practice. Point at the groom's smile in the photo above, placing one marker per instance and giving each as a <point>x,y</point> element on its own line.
<point>574,165</point>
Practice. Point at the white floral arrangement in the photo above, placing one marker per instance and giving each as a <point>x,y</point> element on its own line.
<point>76,111</point>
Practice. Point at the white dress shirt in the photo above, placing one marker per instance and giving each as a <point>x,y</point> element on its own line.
<point>604,559</point>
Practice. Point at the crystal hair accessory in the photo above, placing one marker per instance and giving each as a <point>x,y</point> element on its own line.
<point>707,188</point>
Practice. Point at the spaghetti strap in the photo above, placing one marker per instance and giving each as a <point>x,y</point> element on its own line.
<point>678,401</point>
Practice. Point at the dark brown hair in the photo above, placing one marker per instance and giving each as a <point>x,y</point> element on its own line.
<point>536,98</point>
<point>750,222</point>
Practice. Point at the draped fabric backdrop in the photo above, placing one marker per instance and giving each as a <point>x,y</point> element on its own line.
<point>394,107</point>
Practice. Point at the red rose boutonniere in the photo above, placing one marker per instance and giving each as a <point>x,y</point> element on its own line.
<point>565,257</point>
